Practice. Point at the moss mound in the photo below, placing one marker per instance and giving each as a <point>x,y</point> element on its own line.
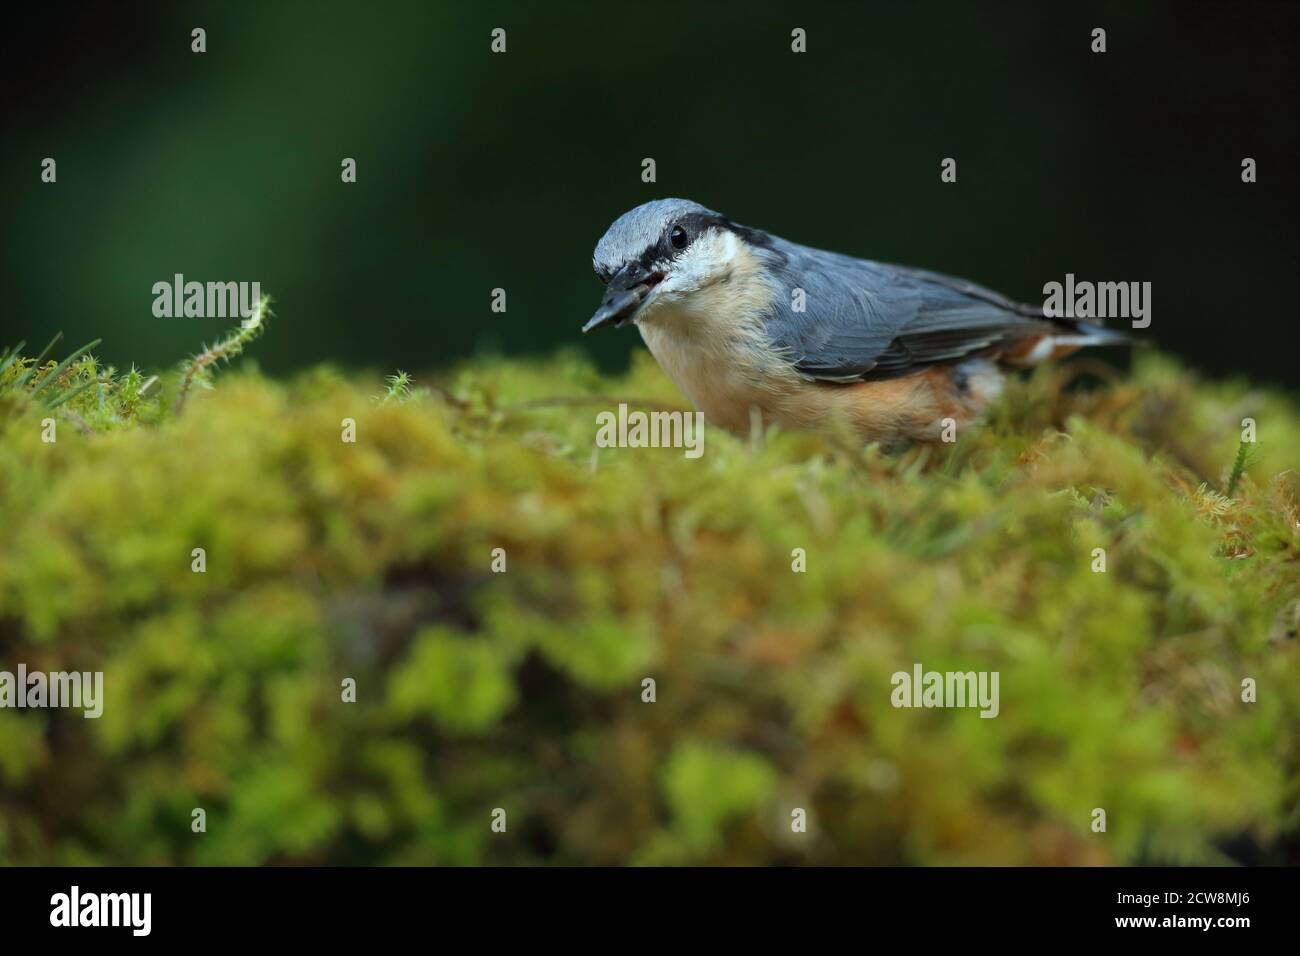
<point>523,690</point>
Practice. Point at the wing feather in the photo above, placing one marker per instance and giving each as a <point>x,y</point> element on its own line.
<point>867,320</point>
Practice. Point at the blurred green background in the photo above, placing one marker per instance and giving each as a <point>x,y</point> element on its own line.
<point>479,170</point>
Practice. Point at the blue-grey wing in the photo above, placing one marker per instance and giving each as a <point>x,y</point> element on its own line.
<point>865,320</point>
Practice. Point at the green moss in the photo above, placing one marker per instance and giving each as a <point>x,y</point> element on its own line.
<point>523,690</point>
<point>462,684</point>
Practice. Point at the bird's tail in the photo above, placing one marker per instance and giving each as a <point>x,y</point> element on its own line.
<point>1086,333</point>
<point>1068,339</point>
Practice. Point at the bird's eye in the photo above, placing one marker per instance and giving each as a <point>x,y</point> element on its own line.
<point>678,237</point>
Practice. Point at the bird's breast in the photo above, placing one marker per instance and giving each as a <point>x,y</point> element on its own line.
<point>717,354</point>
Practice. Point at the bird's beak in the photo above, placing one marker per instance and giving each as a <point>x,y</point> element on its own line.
<point>624,294</point>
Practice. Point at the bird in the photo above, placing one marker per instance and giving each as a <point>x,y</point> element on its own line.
<point>748,324</point>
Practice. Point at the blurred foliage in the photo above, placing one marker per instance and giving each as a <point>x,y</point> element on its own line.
<point>523,690</point>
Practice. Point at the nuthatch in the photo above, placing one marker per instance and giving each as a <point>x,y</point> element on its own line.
<point>741,319</point>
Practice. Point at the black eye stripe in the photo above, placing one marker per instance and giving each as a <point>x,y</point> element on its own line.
<point>695,225</point>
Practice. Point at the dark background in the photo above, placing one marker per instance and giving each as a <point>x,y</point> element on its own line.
<point>478,170</point>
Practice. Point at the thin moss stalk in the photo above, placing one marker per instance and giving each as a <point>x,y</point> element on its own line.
<point>224,350</point>
<point>1238,468</point>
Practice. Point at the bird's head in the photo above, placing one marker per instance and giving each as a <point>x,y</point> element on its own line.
<point>661,252</point>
